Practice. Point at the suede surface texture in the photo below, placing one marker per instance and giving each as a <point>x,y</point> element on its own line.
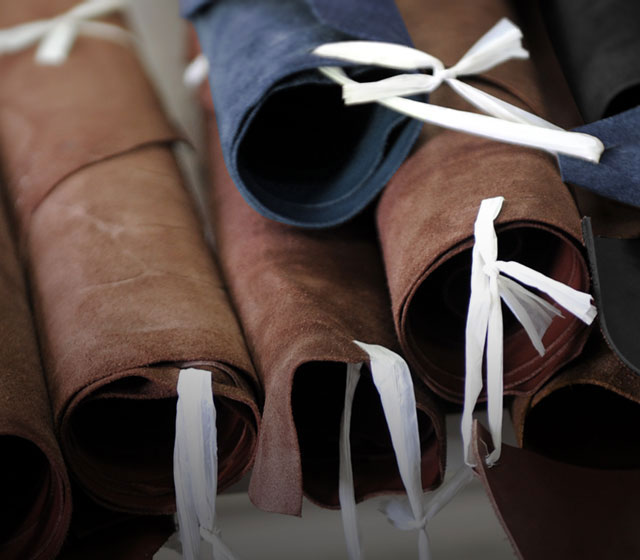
<point>125,290</point>
<point>426,214</point>
<point>303,297</point>
<point>617,174</point>
<point>558,420</point>
<point>327,161</point>
<point>36,499</point>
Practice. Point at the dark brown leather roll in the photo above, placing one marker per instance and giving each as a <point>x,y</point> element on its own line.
<point>425,217</point>
<point>125,289</point>
<point>552,510</point>
<point>586,415</point>
<point>303,297</point>
<point>578,473</point>
<point>36,500</point>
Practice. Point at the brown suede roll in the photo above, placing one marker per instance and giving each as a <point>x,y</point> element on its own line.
<point>35,506</point>
<point>125,290</point>
<point>587,414</point>
<point>426,216</point>
<point>303,297</point>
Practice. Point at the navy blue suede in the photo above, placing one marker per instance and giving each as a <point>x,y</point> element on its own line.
<point>296,153</point>
<point>617,175</point>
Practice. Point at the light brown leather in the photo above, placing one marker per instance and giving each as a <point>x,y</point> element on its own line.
<point>125,289</point>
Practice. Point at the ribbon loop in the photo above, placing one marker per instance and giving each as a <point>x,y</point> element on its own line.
<point>57,35</point>
<point>484,320</point>
<point>503,42</point>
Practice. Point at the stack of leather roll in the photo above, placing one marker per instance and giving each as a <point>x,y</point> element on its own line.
<point>337,229</point>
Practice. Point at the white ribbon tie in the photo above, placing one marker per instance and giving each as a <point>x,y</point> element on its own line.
<point>484,320</point>
<point>507,122</point>
<point>392,379</point>
<point>195,466</point>
<point>57,35</point>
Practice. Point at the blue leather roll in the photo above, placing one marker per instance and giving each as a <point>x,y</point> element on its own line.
<point>296,153</point>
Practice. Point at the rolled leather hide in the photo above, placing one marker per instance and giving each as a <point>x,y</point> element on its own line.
<point>303,298</point>
<point>126,292</point>
<point>426,214</point>
<point>35,505</point>
<point>327,161</point>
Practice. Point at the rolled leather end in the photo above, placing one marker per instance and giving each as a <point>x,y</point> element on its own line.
<point>426,219</point>
<point>328,161</point>
<point>586,414</point>
<point>124,287</point>
<point>35,504</point>
<point>303,297</point>
<point>427,212</point>
<point>139,299</point>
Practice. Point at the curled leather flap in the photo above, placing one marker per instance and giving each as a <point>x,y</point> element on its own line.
<point>554,511</point>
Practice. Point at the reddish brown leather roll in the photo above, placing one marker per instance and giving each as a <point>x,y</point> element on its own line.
<point>36,500</point>
<point>587,414</point>
<point>125,290</point>
<point>425,217</point>
<point>303,297</point>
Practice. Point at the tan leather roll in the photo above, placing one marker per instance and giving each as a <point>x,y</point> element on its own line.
<point>125,289</point>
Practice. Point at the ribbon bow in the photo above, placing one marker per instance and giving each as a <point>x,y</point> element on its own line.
<point>503,42</point>
<point>484,319</point>
<point>57,35</point>
<point>507,122</point>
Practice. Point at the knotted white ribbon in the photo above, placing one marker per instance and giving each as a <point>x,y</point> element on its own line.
<point>484,319</point>
<point>195,466</point>
<point>400,512</point>
<point>57,35</point>
<point>507,122</point>
<point>391,377</point>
